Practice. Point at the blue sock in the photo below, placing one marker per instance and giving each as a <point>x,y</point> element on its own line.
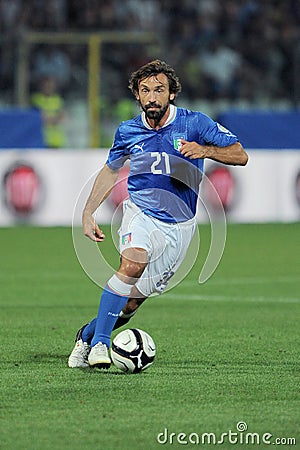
<point>88,331</point>
<point>110,306</point>
<point>113,299</point>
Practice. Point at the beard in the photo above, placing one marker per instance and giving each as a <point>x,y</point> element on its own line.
<point>157,114</point>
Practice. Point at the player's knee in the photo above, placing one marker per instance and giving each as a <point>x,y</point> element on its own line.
<point>133,263</point>
<point>132,269</point>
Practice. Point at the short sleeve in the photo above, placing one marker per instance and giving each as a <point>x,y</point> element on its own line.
<point>215,134</point>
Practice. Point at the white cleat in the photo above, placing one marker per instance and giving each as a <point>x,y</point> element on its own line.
<point>79,355</point>
<point>98,356</point>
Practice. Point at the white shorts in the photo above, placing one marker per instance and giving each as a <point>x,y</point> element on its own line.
<point>166,245</point>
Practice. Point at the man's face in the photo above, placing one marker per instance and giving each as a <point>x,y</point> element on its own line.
<point>154,96</point>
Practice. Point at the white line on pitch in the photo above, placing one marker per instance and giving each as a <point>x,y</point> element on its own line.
<point>223,298</point>
<point>248,280</point>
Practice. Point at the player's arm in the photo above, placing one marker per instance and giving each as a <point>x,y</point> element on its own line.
<point>233,154</point>
<point>101,189</point>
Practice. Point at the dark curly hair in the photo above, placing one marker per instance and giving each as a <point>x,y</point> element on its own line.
<point>154,68</point>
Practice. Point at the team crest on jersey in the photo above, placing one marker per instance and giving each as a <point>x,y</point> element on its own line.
<point>126,238</point>
<point>224,130</point>
<point>177,140</point>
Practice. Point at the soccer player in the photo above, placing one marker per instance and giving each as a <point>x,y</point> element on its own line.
<point>166,146</point>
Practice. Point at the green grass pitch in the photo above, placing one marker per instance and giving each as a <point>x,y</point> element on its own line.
<point>227,350</point>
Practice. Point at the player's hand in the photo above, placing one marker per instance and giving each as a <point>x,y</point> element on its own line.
<point>193,150</point>
<point>91,229</point>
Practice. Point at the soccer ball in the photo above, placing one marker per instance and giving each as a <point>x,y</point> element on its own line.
<point>133,350</point>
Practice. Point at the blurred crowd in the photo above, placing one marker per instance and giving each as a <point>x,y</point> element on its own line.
<point>233,49</point>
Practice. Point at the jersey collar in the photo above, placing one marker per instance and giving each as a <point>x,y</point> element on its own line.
<point>172,115</point>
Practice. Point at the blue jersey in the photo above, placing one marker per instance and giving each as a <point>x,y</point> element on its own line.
<point>162,182</point>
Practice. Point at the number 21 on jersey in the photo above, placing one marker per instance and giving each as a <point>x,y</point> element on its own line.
<point>162,160</point>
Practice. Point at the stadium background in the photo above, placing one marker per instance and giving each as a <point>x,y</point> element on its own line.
<point>238,62</point>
